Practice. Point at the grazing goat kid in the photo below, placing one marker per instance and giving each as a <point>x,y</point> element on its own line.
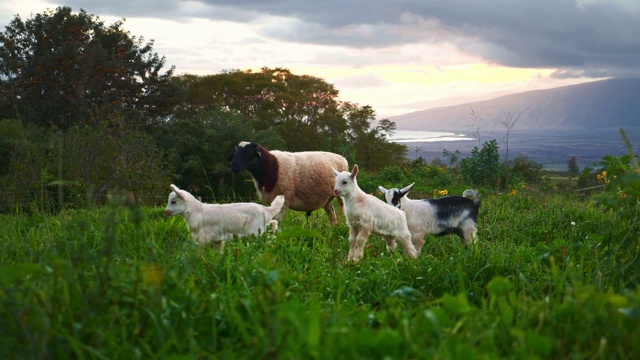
<point>366,215</point>
<point>304,178</point>
<point>446,215</point>
<point>220,223</point>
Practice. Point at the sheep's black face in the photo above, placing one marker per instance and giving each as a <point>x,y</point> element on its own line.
<point>244,156</point>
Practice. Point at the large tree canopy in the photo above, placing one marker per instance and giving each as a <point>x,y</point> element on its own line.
<point>60,68</point>
<point>304,111</point>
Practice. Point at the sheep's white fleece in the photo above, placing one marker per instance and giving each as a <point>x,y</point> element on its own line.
<point>218,223</point>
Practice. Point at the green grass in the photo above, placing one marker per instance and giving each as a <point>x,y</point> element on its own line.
<point>126,282</point>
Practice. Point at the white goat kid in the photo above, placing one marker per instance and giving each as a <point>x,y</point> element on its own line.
<point>442,216</point>
<point>366,215</point>
<point>219,223</point>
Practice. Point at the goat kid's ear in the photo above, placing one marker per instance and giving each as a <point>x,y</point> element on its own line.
<point>382,190</point>
<point>177,191</point>
<point>354,172</point>
<point>406,189</point>
<point>335,172</point>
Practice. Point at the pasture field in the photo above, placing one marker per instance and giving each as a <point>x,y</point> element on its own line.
<point>547,278</point>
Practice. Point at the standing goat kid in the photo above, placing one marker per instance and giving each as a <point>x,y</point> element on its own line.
<point>366,215</point>
<point>443,216</point>
<point>219,223</point>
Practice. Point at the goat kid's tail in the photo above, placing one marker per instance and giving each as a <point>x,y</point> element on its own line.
<point>276,205</point>
<point>472,195</point>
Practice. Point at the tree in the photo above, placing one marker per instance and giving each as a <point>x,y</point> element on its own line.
<point>572,165</point>
<point>476,119</point>
<point>573,168</point>
<point>303,111</point>
<point>372,150</point>
<point>60,68</point>
<point>527,168</point>
<point>483,166</point>
<point>509,120</point>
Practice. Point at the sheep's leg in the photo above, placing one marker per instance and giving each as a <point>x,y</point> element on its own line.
<point>353,234</point>
<point>361,241</point>
<point>340,204</point>
<point>418,242</point>
<point>328,207</point>
<point>283,211</point>
<point>391,243</point>
<point>407,246</point>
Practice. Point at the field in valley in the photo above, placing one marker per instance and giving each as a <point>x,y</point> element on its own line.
<point>551,149</point>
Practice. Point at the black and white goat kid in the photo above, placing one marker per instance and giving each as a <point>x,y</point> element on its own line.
<point>442,216</point>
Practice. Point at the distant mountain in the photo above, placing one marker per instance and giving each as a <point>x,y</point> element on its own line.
<point>589,106</point>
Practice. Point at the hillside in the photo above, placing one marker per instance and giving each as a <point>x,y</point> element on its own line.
<point>612,103</point>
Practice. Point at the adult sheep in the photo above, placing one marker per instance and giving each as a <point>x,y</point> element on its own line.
<point>304,178</point>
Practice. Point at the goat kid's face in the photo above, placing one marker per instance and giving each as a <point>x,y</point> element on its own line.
<point>244,156</point>
<point>176,204</point>
<point>393,196</point>
<point>345,181</point>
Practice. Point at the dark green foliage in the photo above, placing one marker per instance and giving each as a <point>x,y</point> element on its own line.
<point>572,167</point>
<point>301,111</point>
<point>94,162</point>
<point>482,168</point>
<point>198,149</point>
<point>527,169</point>
<point>62,69</point>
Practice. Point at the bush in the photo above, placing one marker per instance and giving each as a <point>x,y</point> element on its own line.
<point>528,169</point>
<point>93,163</point>
<point>482,168</point>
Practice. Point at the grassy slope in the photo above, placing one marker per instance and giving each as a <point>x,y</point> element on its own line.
<point>125,282</point>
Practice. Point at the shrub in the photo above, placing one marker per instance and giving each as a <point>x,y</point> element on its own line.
<point>482,168</point>
<point>93,162</point>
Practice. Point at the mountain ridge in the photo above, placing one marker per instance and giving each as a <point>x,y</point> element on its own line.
<point>588,106</point>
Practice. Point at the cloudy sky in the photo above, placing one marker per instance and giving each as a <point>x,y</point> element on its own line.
<point>395,55</point>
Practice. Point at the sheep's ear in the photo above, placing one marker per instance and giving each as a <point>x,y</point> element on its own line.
<point>354,172</point>
<point>335,172</point>
<point>406,189</point>
<point>382,190</point>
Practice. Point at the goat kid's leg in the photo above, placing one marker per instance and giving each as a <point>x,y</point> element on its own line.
<point>218,245</point>
<point>273,227</point>
<point>353,234</point>
<point>407,246</point>
<point>469,235</point>
<point>361,241</point>
<point>391,244</point>
<point>418,242</point>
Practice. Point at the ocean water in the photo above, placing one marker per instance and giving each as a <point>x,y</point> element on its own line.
<point>420,136</point>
